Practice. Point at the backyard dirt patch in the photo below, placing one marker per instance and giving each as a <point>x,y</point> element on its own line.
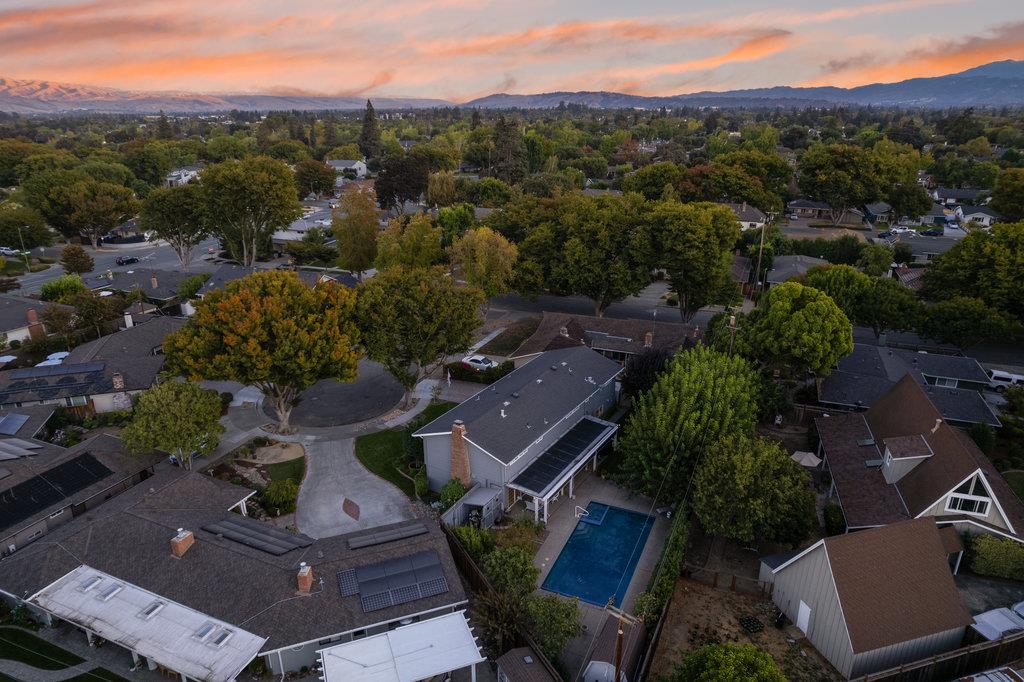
<point>701,614</point>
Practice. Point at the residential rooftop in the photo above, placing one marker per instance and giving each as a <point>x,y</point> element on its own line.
<point>559,330</point>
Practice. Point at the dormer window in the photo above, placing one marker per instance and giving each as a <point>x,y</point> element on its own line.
<point>970,498</point>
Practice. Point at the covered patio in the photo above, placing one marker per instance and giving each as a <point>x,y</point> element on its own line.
<point>419,651</point>
<point>553,472</point>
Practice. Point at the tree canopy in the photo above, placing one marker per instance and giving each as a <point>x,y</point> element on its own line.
<point>271,331</point>
<point>727,663</point>
<point>314,177</point>
<point>178,417</point>
<point>175,214</point>
<point>356,227</point>
<point>485,260</point>
<point>411,242</point>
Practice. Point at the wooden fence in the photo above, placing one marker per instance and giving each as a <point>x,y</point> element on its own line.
<point>955,664</point>
<point>727,581</point>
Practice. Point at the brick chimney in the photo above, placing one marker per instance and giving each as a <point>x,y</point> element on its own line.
<point>181,542</point>
<point>152,282</point>
<point>648,339</point>
<point>460,454</point>
<point>305,578</point>
<point>117,379</point>
<point>35,327</point>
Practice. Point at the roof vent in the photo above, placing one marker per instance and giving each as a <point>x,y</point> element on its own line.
<point>540,381</point>
<point>503,413</point>
<point>515,394</point>
<point>527,660</point>
<point>936,427</point>
<point>554,368</point>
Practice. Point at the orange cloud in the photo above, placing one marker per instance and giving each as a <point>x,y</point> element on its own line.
<point>1005,42</point>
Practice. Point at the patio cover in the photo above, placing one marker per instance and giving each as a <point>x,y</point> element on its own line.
<point>564,457</point>
<point>411,652</point>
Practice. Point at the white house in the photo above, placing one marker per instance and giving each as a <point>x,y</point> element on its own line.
<point>182,176</point>
<point>749,217</point>
<point>980,215</point>
<point>876,599</point>
<point>349,167</point>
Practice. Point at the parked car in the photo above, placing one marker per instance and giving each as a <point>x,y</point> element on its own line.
<point>126,260</point>
<point>885,235</point>
<point>8,251</point>
<point>900,229</point>
<point>479,362</point>
<point>933,232</point>
<point>793,216</point>
<point>1000,380</point>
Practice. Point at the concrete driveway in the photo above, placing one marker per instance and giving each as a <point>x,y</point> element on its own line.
<point>340,496</point>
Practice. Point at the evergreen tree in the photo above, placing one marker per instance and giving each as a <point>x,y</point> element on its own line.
<point>369,138</point>
<point>508,160</point>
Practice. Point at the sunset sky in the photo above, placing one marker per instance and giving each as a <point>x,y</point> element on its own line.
<point>460,49</point>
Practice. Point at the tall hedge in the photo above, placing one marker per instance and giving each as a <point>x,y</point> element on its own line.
<point>998,557</point>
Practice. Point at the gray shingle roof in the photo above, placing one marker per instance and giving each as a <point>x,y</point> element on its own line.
<point>81,379</point>
<point>807,203</point>
<point>548,388</point>
<point>167,282</point>
<point>228,272</point>
<point>14,311</point>
<point>786,267</point>
<point>139,341</point>
<point>746,213</point>
<point>958,194</point>
<point>603,333</point>
<point>129,537</point>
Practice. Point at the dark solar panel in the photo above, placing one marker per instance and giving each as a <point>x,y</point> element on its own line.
<point>257,535</point>
<point>39,492</point>
<point>10,423</point>
<point>395,581</point>
<point>57,370</point>
<point>381,537</point>
<point>561,455</point>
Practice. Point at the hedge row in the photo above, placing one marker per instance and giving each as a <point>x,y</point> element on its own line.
<point>997,557</point>
<point>651,601</point>
<point>460,372</point>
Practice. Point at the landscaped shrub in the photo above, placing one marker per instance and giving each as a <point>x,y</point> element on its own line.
<point>477,541</point>
<point>523,534</point>
<point>835,522</point>
<point>552,622</point>
<point>279,496</point>
<point>14,344</point>
<point>511,570</point>
<point>115,418</point>
<point>62,288</point>
<point>452,491</point>
<point>998,557</point>
<point>225,400</point>
<point>651,601</point>
<point>460,372</point>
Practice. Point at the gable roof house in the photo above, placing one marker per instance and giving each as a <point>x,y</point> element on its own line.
<point>171,546</point>
<point>749,217</point>
<point>876,211</point>
<point>950,196</point>
<point>615,339</point>
<point>44,486</point>
<point>952,383</point>
<point>901,460</point>
<point>806,208</point>
<point>787,267</point>
<point>21,318</point>
<point>981,215</point>
<point>158,286</point>
<point>873,600</point>
<point>354,167</point>
<point>529,433</point>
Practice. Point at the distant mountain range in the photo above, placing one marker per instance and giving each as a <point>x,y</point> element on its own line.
<point>995,84</point>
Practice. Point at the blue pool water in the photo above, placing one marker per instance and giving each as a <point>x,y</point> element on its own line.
<point>600,556</point>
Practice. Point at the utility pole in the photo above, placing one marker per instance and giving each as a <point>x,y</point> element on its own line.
<point>623,619</point>
<point>760,251</point>
<point>732,331</point>
<point>24,252</point>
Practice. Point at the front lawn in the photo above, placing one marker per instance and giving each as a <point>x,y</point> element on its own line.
<point>294,469</point>
<point>506,342</point>
<point>380,452</point>
<point>18,645</point>
<point>1016,481</point>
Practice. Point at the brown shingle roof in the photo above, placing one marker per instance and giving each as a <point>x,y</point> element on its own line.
<point>513,664</point>
<point>894,584</point>
<point>602,333</point>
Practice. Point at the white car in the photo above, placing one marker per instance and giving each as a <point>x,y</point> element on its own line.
<point>1000,380</point>
<point>900,229</point>
<point>479,362</point>
<point>8,251</point>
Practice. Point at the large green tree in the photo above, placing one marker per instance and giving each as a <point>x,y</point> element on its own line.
<point>314,177</point>
<point>508,157</point>
<point>702,396</point>
<point>21,226</point>
<point>749,489</point>
<point>178,417</point>
<point>965,322</point>
<point>1008,194</point>
<point>798,328</point>
<point>369,136</point>
<point>99,207</point>
<point>485,260</point>
<point>985,264</point>
<point>75,260</point>
<point>245,201</point>
<point>356,226</point>
<point>411,243</point>
<point>886,305</point>
<point>841,175</point>
<point>844,284</point>
<point>175,215</point>
<point>271,331</point>
<point>414,319</point>
<point>694,242</point>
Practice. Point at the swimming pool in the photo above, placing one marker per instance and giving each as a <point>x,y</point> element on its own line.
<point>600,556</point>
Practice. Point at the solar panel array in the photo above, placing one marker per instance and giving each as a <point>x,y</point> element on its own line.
<point>57,370</point>
<point>10,423</point>
<point>257,535</point>
<point>395,581</point>
<point>39,492</point>
<point>560,456</point>
<point>380,537</point>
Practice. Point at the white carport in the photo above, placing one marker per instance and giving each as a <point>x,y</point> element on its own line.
<point>412,652</point>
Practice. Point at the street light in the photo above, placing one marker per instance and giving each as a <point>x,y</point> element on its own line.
<point>24,252</point>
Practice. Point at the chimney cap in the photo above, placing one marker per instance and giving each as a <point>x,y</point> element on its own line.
<point>458,422</point>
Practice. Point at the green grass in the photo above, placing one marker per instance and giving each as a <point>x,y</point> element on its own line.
<point>294,469</point>
<point>18,645</point>
<point>379,451</point>
<point>513,336</point>
<point>97,675</point>
<point>1016,481</point>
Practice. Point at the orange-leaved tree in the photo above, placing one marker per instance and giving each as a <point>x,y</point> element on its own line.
<point>271,331</point>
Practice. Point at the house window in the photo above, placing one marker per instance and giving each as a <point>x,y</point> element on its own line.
<point>969,498</point>
<point>945,381</point>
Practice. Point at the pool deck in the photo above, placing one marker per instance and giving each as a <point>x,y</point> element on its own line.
<point>561,523</point>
